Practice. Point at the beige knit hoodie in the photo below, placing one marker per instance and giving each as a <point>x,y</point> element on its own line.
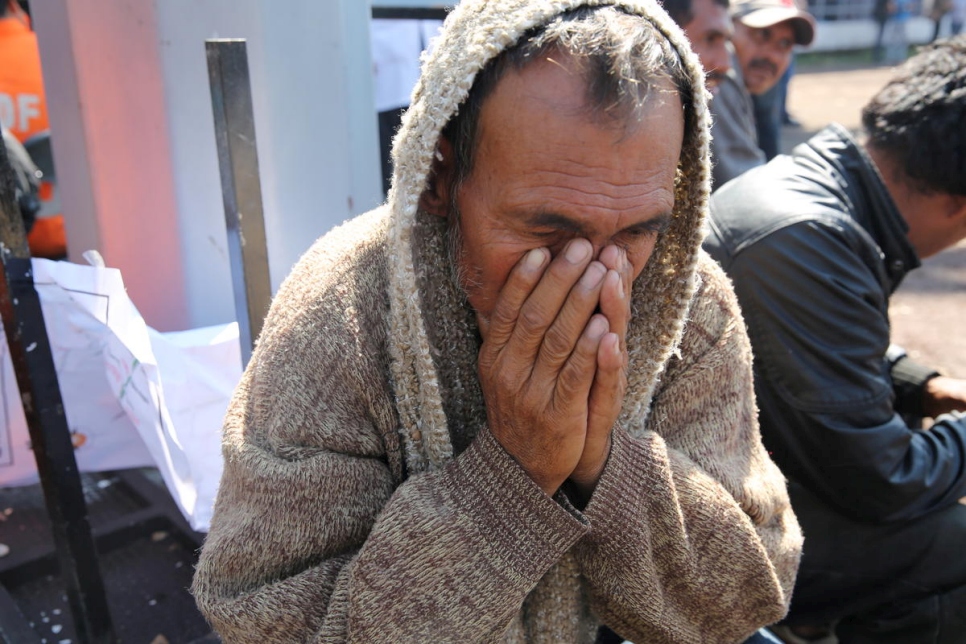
<point>364,499</point>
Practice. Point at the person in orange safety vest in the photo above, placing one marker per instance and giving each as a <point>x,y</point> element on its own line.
<point>23,110</point>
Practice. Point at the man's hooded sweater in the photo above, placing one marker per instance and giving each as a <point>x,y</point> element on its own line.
<point>364,499</point>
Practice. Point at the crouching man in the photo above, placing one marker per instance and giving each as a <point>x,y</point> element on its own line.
<point>515,403</point>
<point>816,242</point>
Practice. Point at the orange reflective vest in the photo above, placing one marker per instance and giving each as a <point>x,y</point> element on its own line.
<point>23,110</point>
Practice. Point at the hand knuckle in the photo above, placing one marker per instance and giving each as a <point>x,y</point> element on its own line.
<point>531,323</point>
<point>571,378</point>
<point>557,347</point>
<point>502,317</point>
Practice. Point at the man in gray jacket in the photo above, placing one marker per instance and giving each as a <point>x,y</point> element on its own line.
<point>764,33</point>
<point>815,243</point>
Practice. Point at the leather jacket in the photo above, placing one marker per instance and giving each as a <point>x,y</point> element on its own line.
<point>815,246</point>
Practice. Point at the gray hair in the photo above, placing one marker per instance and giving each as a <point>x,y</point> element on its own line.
<point>622,57</point>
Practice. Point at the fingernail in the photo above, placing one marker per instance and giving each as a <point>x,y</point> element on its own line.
<point>577,251</point>
<point>535,258</point>
<point>597,327</point>
<point>593,275</point>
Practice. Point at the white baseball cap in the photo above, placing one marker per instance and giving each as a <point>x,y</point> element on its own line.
<point>767,13</point>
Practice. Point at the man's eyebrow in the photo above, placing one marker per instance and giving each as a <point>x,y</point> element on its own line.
<point>547,219</point>
<point>656,224</point>
<point>556,221</point>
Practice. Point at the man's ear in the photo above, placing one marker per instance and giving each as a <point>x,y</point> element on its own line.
<point>436,198</point>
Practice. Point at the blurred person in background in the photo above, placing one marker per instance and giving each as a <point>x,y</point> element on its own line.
<point>816,243</point>
<point>958,16</point>
<point>939,10</point>
<point>882,10</point>
<point>707,25</point>
<point>23,110</point>
<point>896,40</point>
<point>764,33</point>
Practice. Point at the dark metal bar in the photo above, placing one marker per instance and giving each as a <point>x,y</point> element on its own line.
<point>33,364</point>
<point>231,101</point>
<point>410,13</point>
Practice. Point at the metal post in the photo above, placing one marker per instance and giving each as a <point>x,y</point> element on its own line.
<point>413,13</point>
<point>33,364</point>
<point>411,9</point>
<point>231,100</point>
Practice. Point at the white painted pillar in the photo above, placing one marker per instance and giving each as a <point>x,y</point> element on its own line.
<point>131,124</point>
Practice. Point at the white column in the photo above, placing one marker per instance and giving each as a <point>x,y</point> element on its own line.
<point>105,100</point>
<point>131,124</point>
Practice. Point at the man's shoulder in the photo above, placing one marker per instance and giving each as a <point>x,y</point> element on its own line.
<point>714,307</point>
<point>734,146</point>
<point>731,95</point>
<point>781,195</point>
<point>714,329</point>
<point>355,250</point>
<point>340,280</point>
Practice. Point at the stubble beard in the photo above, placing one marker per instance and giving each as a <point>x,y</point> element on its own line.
<point>467,279</point>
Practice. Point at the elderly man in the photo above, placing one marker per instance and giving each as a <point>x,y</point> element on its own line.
<point>515,403</point>
<point>764,33</point>
<point>708,27</point>
<point>815,243</point>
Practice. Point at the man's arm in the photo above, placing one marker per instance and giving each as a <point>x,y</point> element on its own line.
<point>693,537</point>
<point>922,391</point>
<point>315,536</point>
<point>817,316</point>
<point>909,380</point>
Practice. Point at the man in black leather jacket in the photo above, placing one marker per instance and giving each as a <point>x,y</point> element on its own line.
<point>815,243</point>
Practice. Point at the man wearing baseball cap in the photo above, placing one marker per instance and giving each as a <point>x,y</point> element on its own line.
<point>765,31</point>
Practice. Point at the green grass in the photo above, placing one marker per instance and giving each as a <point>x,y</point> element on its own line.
<point>826,59</point>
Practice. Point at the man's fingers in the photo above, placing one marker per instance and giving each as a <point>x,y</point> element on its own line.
<point>615,295</point>
<point>615,304</point>
<point>519,285</point>
<point>577,375</point>
<point>544,304</point>
<point>561,338</point>
<point>606,396</point>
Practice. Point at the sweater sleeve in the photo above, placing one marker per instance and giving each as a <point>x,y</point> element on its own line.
<point>314,538</point>
<point>693,536</point>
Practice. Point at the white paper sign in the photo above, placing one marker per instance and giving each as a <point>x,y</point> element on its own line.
<point>133,397</point>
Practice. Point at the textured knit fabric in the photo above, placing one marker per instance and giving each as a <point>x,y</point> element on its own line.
<point>364,498</point>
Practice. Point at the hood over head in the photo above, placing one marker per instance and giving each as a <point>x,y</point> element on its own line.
<point>428,314</point>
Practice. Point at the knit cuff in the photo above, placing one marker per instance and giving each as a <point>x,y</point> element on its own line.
<point>908,381</point>
<point>615,487</point>
<point>518,522</point>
